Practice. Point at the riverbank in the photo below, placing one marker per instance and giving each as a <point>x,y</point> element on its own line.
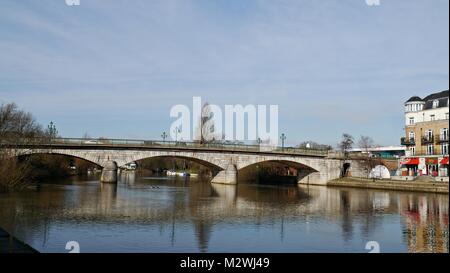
<point>10,244</point>
<point>388,184</point>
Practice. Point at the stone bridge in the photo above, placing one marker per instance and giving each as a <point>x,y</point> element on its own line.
<point>313,167</point>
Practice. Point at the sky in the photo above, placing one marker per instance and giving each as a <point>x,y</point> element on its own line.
<point>114,68</point>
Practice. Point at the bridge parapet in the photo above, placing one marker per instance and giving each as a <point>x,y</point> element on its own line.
<point>154,144</point>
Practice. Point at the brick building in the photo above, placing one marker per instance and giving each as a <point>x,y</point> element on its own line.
<point>426,134</point>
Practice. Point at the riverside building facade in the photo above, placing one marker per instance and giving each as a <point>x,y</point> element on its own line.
<point>426,135</point>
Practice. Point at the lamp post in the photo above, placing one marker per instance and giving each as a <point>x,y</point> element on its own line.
<point>283,138</point>
<point>177,130</point>
<point>52,130</point>
<point>164,136</point>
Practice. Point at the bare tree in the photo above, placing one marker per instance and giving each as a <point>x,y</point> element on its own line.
<point>365,143</point>
<point>15,126</point>
<point>369,162</point>
<point>346,144</point>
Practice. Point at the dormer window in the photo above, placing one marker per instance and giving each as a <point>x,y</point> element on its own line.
<point>435,104</point>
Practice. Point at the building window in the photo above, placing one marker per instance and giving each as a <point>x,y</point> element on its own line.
<point>435,104</point>
<point>444,149</point>
<point>432,117</point>
<point>430,149</point>
<point>412,151</point>
<point>429,135</point>
<point>411,121</point>
<point>444,134</point>
<point>446,115</point>
<point>412,136</point>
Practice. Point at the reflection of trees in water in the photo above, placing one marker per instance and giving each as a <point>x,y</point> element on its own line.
<point>203,230</point>
<point>20,211</point>
<point>365,208</point>
<point>204,205</point>
<point>200,209</point>
<point>347,225</point>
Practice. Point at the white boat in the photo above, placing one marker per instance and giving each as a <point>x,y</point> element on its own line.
<point>171,173</point>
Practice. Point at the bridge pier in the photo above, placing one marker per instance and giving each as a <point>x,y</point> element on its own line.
<point>227,176</point>
<point>109,172</point>
<point>304,176</point>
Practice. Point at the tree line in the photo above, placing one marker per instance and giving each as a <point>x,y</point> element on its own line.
<point>18,172</point>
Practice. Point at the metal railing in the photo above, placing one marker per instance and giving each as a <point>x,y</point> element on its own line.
<point>407,141</point>
<point>427,139</point>
<point>442,138</point>
<point>179,145</point>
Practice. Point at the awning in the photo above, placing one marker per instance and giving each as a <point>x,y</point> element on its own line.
<point>412,161</point>
<point>431,161</point>
<point>444,161</point>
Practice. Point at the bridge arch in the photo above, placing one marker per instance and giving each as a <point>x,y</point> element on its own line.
<point>205,159</point>
<point>215,168</point>
<point>287,163</point>
<point>302,170</point>
<point>314,165</point>
<point>69,153</point>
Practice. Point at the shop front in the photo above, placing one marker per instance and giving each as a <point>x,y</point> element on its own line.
<point>444,167</point>
<point>432,166</point>
<point>411,165</point>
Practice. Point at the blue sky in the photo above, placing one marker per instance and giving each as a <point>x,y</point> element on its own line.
<point>115,68</point>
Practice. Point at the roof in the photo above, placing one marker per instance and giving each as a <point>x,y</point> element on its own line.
<point>381,149</point>
<point>442,97</point>
<point>414,98</point>
<point>439,95</point>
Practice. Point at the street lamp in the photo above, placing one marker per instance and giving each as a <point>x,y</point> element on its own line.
<point>259,141</point>
<point>52,130</point>
<point>283,138</point>
<point>177,130</point>
<point>164,136</point>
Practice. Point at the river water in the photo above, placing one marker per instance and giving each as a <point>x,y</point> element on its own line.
<point>158,214</point>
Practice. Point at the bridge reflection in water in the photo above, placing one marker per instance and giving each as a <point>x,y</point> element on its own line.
<point>157,214</point>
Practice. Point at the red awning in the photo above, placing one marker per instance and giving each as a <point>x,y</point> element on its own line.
<point>444,161</point>
<point>412,161</point>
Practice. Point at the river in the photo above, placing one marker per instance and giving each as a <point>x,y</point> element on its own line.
<point>159,214</point>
